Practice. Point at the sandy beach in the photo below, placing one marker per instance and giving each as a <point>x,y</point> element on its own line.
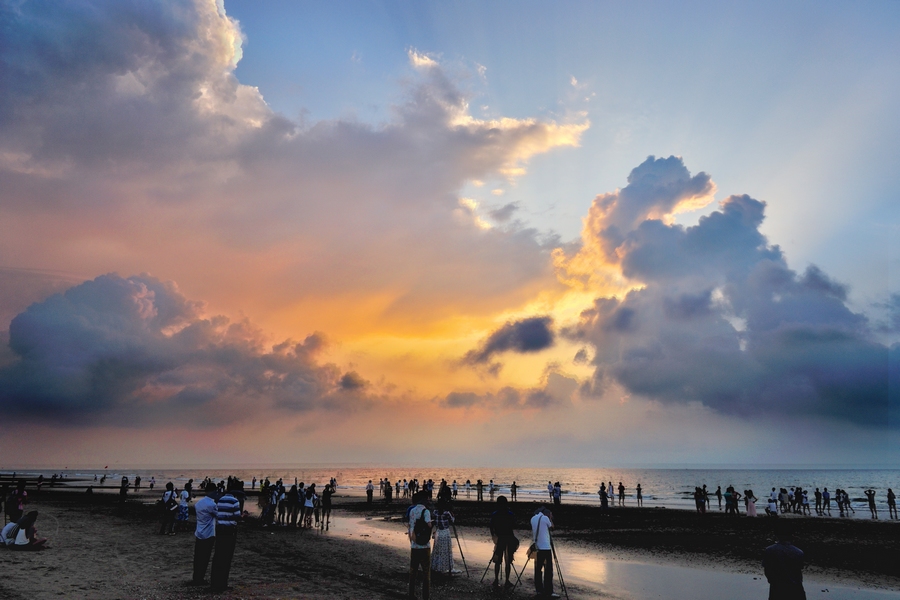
<point>102,549</point>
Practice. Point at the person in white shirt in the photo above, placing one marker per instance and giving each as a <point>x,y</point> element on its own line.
<point>541,524</point>
<point>183,512</point>
<point>205,535</point>
<point>420,545</point>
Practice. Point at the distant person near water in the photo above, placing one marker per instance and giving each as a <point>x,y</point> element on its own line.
<point>892,504</point>
<point>870,496</point>
<point>419,527</point>
<point>370,491</point>
<point>505,541</point>
<point>604,499</point>
<point>512,491</point>
<point>640,495</point>
<point>783,565</point>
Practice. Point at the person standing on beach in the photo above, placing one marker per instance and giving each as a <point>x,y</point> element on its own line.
<point>557,494</point>
<point>826,501</point>
<point>205,537</point>
<point>818,502</point>
<point>541,524</point>
<point>505,541</point>
<point>783,565</point>
<point>640,495</point>
<point>419,528</point>
<point>892,504</point>
<point>479,491</point>
<point>719,495</point>
<point>228,513</point>
<point>370,491</point>
<point>327,493</point>
<point>183,515</point>
<point>604,499</point>
<point>550,490</point>
<point>169,506</point>
<point>123,489</point>
<point>621,494</point>
<point>512,491</point>
<point>442,556</point>
<point>15,504</point>
<point>870,496</point>
<point>468,488</point>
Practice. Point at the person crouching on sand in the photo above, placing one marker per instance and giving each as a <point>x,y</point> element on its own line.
<point>22,535</point>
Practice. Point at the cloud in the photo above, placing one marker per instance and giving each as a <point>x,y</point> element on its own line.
<point>556,389</point>
<point>135,350</point>
<point>122,124</point>
<point>532,334</point>
<point>421,61</point>
<point>715,315</point>
<point>504,213</point>
<point>657,189</point>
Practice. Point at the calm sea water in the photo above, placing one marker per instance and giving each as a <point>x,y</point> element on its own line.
<point>671,488</point>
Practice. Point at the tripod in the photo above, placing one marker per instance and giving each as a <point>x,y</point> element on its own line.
<point>461,555</point>
<point>562,583</point>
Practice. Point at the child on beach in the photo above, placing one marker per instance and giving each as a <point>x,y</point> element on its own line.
<point>22,535</point>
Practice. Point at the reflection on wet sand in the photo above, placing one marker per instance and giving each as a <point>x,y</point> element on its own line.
<point>591,574</point>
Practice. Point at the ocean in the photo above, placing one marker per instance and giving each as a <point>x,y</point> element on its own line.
<point>671,488</point>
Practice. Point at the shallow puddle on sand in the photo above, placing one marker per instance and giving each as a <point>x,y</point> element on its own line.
<point>590,574</point>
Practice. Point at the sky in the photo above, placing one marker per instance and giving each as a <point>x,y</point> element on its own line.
<point>432,233</point>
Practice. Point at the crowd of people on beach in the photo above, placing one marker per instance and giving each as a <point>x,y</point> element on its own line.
<point>794,500</point>
<point>430,521</point>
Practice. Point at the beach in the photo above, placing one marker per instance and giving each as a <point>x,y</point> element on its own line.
<point>103,549</point>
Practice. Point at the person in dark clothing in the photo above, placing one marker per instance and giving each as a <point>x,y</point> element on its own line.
<point>506,543</point>
<point>783,565</point>
<point>228,514</point>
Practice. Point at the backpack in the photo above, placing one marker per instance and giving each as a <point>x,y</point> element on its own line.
<point>171,503</point>
<point>421,530</point>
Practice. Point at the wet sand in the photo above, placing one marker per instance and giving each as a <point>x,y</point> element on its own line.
<point>101,549</point>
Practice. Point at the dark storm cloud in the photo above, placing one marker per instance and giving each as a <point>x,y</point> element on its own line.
<point>128,350</point>
<point>526,335</point>
<point>719,318</point>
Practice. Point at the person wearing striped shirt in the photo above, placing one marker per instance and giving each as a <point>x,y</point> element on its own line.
<point>228,513</point>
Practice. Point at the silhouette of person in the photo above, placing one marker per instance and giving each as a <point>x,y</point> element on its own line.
<point>783,565</point>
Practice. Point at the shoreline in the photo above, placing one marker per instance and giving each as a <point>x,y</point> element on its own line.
<point>102,549</point>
